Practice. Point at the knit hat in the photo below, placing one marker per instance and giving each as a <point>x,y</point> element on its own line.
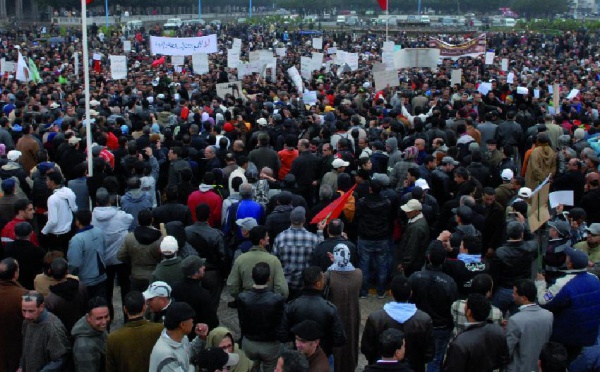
<point>169,246</point>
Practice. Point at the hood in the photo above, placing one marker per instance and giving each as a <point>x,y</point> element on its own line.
<point>469,230</point>
<point>283,208</point>
<point>329,117</point>
<point>217,335</point>
<point>104,214</point>
<point>176,229</point>
<point>67,289</point>
<point>393,143</point>
<point>400,311</point>
<point>135,195</point>
<point>83,329</point>
<point>146,235</point>
<point>68,195</point>
<point>11,165</point>
<point>548,155</point>
<point>205,188</point>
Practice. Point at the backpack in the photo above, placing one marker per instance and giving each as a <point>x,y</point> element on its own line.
<point>350,207</point>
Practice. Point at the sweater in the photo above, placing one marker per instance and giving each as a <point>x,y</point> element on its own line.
<point>89,348</point>
<point>44,341</point>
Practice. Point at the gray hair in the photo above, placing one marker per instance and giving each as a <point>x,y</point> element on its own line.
<point>246,190</point>
<point>467,201</point>
<point>325,192</point>
<point>515,230</point>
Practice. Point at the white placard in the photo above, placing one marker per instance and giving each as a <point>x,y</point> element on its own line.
<point>249,68</point>
<point>572,94</point>
<point>550,89</point>
<point>388,46</point>
<point>281,52</point>
<point>332,50</point>
<point>305,67</point>
<point>233,58</point>
<point>237,44</point>
<point>561,197</point>
<point>234,88</point>
<point>310,97</point>
<point>416,57</point>
<point>387,57</point>
<point>385,78</point>
<point>76,63</point>
<point>97,57</point>
<point>510,78</point>
<point>484,88</point>
<point>522,90</point>
<point>127,46</point>
<point>254,56</point>
<point>489,58</point>
<point>200,63</point>
<point>183,46</point>
<point>536,93</point>
<point>456,77</point>
<point>2,66</point>
<point>377,67</point>
<point>317,43</point>
<point>352,60</point>
<point>504,64</point>
<point>296,78</point>
<point>177,60</point>
<point>118,67</point>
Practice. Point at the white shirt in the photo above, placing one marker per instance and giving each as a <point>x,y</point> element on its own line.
<point>61,206</point>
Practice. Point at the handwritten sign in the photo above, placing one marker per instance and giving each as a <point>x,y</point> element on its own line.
<point>183,46</point>
<point>456,77</point>
<point>489,58</point>
<point>280,52</point>
<point>233,58</point>
<point>385,78</point>
<point>127,46</point>
<point>317,43</point>
<point>118,67</point>
<point>296,78</point>
<point>177,60</point>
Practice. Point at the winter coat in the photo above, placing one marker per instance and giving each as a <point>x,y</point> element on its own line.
<point>135,201</point>
<point>89,348</point>
<point>128,348</point>
<point>141,249</point>
<point>542,162</point>
<point>10,324</point>
<point>114,224</point>
<point>479,348</point>
<point>86,253</point>
<point>68,301</point>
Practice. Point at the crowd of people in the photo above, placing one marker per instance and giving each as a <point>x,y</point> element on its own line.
<point>429,188</point>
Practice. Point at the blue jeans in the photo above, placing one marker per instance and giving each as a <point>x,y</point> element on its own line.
<point>441,338</point>
<point>503,300</point>
<point>375,250</point>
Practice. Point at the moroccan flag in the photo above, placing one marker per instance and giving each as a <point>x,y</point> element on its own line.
<point>158,62</point>
<point>334,209</point>
<point>382,3</point>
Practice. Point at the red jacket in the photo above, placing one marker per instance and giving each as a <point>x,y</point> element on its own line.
<point>210,197</point>
<point>286,157</point>
<point>8,232</point>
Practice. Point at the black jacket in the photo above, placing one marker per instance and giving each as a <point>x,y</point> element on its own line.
<point>190,291</point>
<point>305,168</point>
<point>278,220</point>
<point>172,211</point>
<point>30,259</point>
<point>591,204</point>
<point>512,262</point>
<point>418,332</point>
<point>373,215</point>
<point>434,292</point>
<point>311,305</point>
<point>208,242</point>
<point>481,347</point>
<point>260,312</point>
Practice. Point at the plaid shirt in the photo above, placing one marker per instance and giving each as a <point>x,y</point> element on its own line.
<point>460,319</point>
<point>293,248</point>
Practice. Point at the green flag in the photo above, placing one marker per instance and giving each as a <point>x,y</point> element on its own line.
<point>34,72</point>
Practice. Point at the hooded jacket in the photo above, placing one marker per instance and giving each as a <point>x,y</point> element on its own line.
<point>86,255</point>
<point>542,162</point>
<point>416,325</point>
<point>142,250</point>
<point>394,155</point>
<point>61,206</point>
<point>217,335</point>
<point>89,348</point>
<point>206,194</point>
<point>133,202</point>
<point>373,214</point>
<point>68,301</point>
<point>114,223</point>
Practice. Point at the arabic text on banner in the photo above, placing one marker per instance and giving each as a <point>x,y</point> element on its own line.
<point>118,67</point>
<point>183,46</point>
<point>471,48</point>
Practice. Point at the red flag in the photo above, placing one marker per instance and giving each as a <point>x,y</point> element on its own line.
<point>88,2</point>
<point>382,3</point>
<point>97,65</point>
<point>158,62</point>
<point>334,209</point>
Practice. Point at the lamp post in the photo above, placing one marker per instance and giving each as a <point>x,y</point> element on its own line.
<point>106,6</point>
<point>199,9</point>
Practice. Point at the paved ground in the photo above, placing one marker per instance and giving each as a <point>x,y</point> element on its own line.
<point>228,317</point>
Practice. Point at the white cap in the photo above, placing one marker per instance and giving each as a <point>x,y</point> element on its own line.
<point>422,183</point>
<point>169,246</point>
<point>14,155</point>
<point>412,205</point>
<point>337,163</point>
<point>507,174</point>
<point>262,122</point>
<point>524,192</point>
<point>157,289</point>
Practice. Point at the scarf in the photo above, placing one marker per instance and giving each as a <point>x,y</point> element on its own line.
<point>341,258</point>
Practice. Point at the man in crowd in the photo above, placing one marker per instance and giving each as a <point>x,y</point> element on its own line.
<point>90,333</point>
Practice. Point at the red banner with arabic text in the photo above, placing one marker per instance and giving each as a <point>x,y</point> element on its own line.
<point>471,48</point>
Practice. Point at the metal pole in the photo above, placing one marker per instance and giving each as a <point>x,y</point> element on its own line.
<point>419,7</point>
<point>250,10</point>
<point>106,6</point>
<point>86,82</point>
<point>387,21</point>
<point>199,9</point>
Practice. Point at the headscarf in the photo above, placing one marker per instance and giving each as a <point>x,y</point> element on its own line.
<point>341,258</point>
<point>215,337</point>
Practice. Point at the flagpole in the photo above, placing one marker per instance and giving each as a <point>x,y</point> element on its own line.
<point>387,21</point>
<point>86,83</point>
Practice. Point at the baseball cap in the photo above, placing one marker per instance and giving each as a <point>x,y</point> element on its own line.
<point>412,205</point>
<point>524,192</point>
<point>191,264</point>
<point>579,259</point>
<point>74,140</point>
<point>563,227</point>
<point>169,246</point>
<point>449,160</point>
<point>246,223</point>
<point>157,289</point>
<point>261,122</point>
<point>215,358</point>
<point>337,163</point>
<point>14,155</point>
<point>422,183</point>
<point>594,229</point>
<point>507,174</point>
